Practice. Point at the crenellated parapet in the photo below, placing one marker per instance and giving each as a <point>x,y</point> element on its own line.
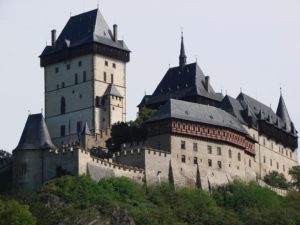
<point>116,166</point>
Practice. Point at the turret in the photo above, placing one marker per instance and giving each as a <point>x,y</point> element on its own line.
<point>283,114</point>
<point>182,56</point>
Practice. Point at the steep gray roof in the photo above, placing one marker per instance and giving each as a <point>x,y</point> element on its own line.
<point>85,28</point>
<point>112,90</point>
<point>86,129</point>
<point>283,114</point>
<point>182,82</point>
<point>35,135</point>
<point>197,113</point>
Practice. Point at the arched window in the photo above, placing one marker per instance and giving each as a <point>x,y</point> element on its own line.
<point>63,105</point>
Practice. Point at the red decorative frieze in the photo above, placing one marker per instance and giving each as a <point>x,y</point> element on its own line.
<point>202,131</point>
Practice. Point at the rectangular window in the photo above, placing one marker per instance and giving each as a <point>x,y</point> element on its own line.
<point>78,127</point>
<point>76,78</point>
<point>84,76</point>
<point>219,151</point>
<point>264,141</point>
<point>106,63</point>
<point>271,162</point>
<point>195,147</point>
<point>79,63</point>
<point>209,163</point>
<point>209,149</point>
<point>250,163</point>
<point>112,78</point>
<point>264,159</point>
<point>114,65</point>
<point>195,160</point>
<point>230,153</point>
<point>291,155</point>
<point>272,145</point>
<point>283,167</point>
<point>62,130</point>
<point>183,158</point>
<point>219,164</point>
<point>68,66</point>
<point>104,76</point>
<point>182,145</point>
<point>277,165</point>
<point>56,70</point>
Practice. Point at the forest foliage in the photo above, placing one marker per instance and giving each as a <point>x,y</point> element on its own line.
<point>67,200</point>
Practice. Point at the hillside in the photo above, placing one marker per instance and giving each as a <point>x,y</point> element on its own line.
<point>80,200</point>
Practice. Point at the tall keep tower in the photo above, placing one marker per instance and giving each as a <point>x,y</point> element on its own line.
<point>85,78</point>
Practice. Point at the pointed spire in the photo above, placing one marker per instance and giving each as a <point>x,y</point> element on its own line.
<point>182,56</point>
<point>86,129</point>
<point>283,114</point>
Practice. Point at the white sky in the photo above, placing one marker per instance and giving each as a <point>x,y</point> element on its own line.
<point>253,45</point>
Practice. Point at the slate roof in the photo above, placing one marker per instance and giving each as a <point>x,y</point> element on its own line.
<point>35,135</point>
<point>112,90</point>
<point>181,82</point>
<point>85,28</point>
<point>283,114</point>
<point>198,113</point>
<point>249,110</point>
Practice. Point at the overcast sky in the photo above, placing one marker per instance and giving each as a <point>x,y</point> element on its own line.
<point>253,45</point>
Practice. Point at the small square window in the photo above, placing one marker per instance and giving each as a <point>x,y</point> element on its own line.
<point>209,149</point>
<point>62,130</point>
<point>195,160</point>
<point>195,147</point>
<point>79,63</point>
<point>182,144</point>
<point>183,158</point>
<point>219,151</point>
<point>106,63</point>
<point>209,163</point>
<point>68,66</point>
<point>84,76</point>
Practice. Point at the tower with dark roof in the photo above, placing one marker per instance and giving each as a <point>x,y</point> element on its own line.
<point>85,62</point>
<point>182,56</point>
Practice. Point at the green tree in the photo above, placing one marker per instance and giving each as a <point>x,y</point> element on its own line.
<point>13,213</point>
<point>295,174</point>
<point>276,179</point>
<point>143,115</point>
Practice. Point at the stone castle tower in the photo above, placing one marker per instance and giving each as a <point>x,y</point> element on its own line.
<point>85,78</point>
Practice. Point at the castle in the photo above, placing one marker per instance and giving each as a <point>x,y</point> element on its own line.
<point>196,138</point>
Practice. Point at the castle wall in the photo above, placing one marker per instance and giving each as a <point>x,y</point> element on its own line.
<point>272,156</point>
<point>27,169</point>
<point>154,162</point>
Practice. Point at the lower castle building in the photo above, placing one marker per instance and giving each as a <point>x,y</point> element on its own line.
<point>196,138</point>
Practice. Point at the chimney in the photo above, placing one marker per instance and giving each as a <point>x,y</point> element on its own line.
<point>115,32</point>
<point>53,37</point>
<point>207,81</point>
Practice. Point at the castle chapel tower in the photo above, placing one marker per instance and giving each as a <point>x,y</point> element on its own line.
<point>85,78</point>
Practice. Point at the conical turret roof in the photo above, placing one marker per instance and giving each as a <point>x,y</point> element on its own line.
<point>283,114</point>
<point>35,135</point>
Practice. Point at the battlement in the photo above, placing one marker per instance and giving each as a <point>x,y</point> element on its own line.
<point>108,163</point>
<point>137,150</point>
